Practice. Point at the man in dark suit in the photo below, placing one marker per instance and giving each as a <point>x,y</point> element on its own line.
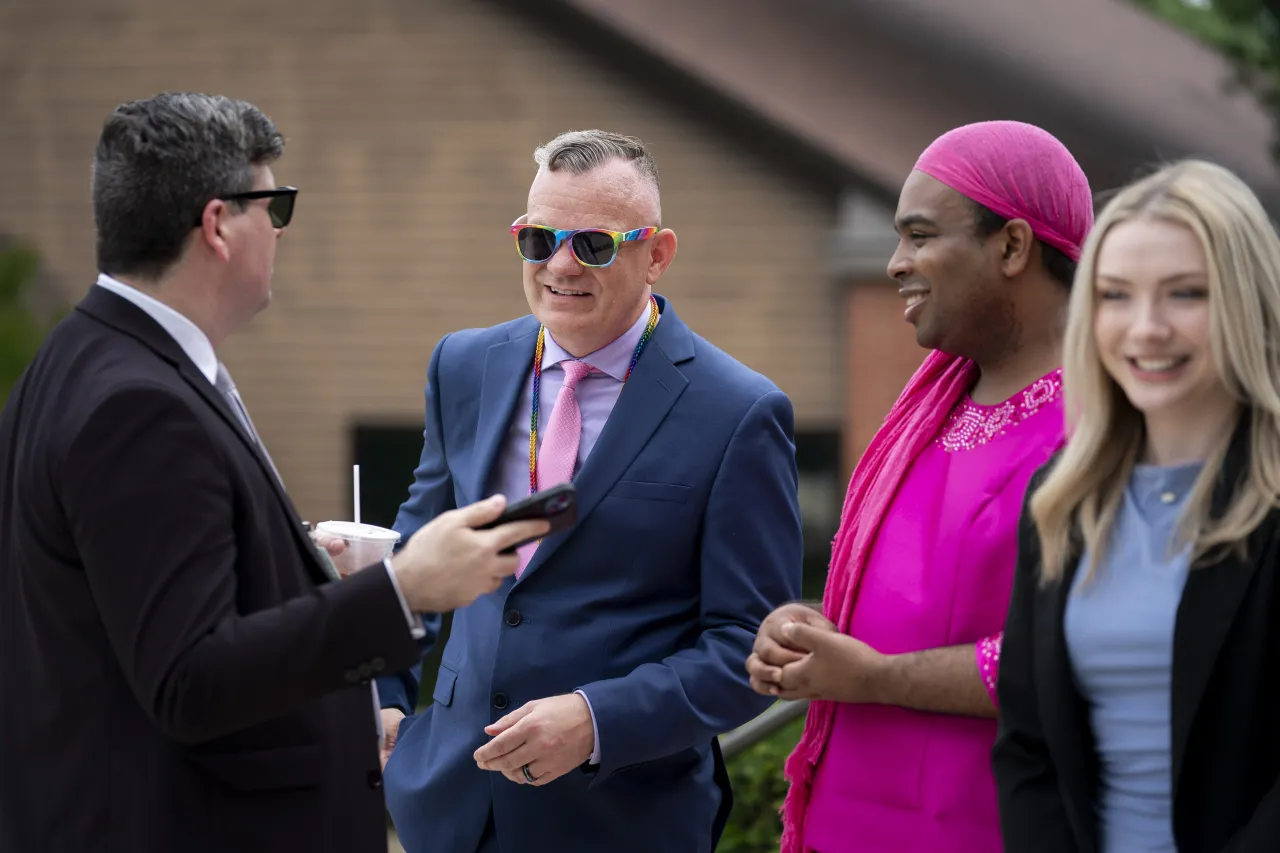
<point>577,707</point>
<point>178,672</point>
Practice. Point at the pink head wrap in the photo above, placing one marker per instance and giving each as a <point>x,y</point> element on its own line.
<point>1018,171</point>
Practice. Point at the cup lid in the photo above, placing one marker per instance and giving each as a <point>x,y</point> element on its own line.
<point>357,531</point>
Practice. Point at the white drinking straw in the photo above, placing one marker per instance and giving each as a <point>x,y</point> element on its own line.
<point>355,487</point>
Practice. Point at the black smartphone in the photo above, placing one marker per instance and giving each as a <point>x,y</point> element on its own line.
<point>558,504</point>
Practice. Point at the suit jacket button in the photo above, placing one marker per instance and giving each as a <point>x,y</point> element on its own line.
<point>378,664</point>
<point>375,779</point>
<point>499,700</point>
<point>513,618</point>
<point>365,671</point>
<point>351,676</point>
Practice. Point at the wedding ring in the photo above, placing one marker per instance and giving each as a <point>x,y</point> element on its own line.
<point>528,777</point>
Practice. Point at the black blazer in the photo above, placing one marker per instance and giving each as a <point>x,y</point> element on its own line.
<point>175,674</point>
<point>1225,704</point>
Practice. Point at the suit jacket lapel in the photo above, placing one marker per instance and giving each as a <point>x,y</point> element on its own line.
<point>214,398</point>
<point>655,385</point>
<point>1210,600</point>
<point>1206,614</point>
<point>131,320</point>
<point>1065,712</point>
<point>507,367</point>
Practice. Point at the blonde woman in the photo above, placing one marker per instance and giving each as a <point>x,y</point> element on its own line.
<point>1139,689</point>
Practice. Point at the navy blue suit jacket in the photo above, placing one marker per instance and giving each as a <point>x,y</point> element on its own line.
<point>688,535</point>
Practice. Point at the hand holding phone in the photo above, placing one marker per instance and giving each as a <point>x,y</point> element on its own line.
<point>557,504</point>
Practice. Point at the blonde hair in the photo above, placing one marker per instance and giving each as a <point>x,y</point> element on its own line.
<point>1077,503</point>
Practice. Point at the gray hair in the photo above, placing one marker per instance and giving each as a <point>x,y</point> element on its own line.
<point>159,161</point>
<point>580,151</point>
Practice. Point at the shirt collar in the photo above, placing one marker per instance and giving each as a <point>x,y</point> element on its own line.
<point>613,358</point>
<point>194,342</point>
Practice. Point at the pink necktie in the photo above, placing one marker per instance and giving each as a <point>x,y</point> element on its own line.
<point>559,452</point>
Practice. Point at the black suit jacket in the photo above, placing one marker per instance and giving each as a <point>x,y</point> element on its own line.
<point>175,674</point>
<point>1225,704</point>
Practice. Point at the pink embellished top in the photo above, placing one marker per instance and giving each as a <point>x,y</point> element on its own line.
<point>939,574</point>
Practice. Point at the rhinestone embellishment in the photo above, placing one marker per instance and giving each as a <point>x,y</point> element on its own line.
<point>970,425</point>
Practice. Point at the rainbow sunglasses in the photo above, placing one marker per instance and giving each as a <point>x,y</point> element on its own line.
<point>591,247</point>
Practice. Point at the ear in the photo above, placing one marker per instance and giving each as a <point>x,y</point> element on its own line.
<point>211,230</point>
<point>662,251</point>
<point>1017,248</point>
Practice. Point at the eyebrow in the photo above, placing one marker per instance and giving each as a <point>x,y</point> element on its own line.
<point>911,219</point>
<point>1176,278</point>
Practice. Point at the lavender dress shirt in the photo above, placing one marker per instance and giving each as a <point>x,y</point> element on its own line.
<point>597,394</point>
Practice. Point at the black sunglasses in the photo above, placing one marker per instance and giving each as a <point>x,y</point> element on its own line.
<point>280,208</point>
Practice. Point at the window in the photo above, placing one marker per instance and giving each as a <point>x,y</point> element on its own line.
<point>821,495</point>
<point>387,455</point>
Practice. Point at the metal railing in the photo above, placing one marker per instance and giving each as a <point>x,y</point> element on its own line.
<point>751,733</point>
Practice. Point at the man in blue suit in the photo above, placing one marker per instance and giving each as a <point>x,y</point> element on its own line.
<point>577,707</point>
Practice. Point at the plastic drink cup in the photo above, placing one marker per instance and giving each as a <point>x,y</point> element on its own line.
<point>367,544</point>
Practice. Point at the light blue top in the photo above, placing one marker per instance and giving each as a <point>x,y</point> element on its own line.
<point>1119,632</point>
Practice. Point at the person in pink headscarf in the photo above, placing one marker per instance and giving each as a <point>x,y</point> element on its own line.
<point>901,662</point>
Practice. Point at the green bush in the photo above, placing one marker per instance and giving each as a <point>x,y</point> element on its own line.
<point>20,331</point>
<point>759,787</point>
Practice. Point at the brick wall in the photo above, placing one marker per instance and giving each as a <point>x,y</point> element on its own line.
<point>880,355</point>
<point>411,125</point>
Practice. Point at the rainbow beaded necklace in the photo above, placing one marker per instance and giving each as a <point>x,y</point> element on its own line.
<point>537,383</point>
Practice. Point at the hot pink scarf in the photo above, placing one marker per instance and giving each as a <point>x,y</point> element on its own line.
<point>915,419</point>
